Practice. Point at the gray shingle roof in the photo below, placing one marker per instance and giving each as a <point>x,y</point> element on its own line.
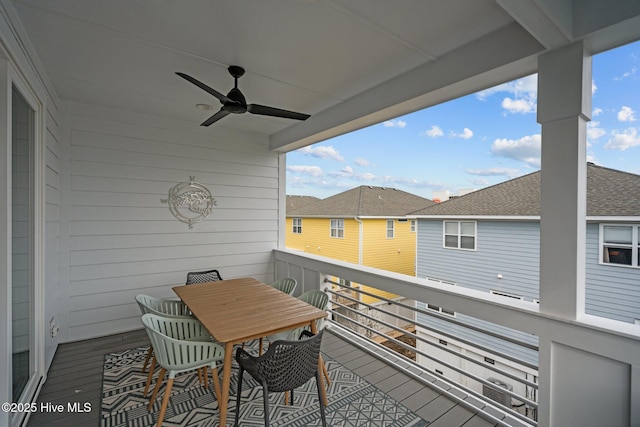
<point>296,202</point>
<point>364,201</point>
<point>609,193</point>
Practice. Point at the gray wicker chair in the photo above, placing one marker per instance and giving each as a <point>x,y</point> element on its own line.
<point>286,366</point>
<point>203,277</point>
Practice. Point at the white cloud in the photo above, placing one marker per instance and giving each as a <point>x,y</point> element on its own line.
<point>626,114</point>
<point>525,86</point>
<point>364,177</point>
<point>345,172</point>
<point>322,152</point>
<point>480,182</point>
<point>394,124</point>
<point>593,87</point>
<point>594,131</point>
<point>525,149</point>
<point>623,140</point>
<point>465,134</point>
<point>521,106</point>
<point>434,132</point>
<point>306,170</point>
<point>596,112</point>
<point>524,93</point>
<point>362,162</point>
<point>509,172</point>
<point>627,74</point>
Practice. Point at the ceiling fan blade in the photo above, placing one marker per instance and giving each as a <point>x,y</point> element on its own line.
<point>276,112</point>
<point>221,97</point>
<point>217,116</point>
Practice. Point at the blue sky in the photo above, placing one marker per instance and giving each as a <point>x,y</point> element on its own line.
<point>476,141</point>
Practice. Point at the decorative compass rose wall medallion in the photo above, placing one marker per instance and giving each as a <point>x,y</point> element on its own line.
<point>190,202</point>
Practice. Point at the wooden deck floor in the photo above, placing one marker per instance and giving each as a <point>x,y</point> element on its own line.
<point>76,376</point>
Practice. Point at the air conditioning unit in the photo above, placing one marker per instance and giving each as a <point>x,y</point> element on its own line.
<point>496,392</point>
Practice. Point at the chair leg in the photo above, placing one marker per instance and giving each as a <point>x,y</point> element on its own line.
<point>265,400</point>
<point>325,372</point>
<point>157,387</point>
<point>146,359</point>
<point>150,376</point>
<point>260,347</point>
<point>238,395</point>
<point>165,402</point>
<point>322,414</point>
<point>215,379</point>
<point>206,377</point>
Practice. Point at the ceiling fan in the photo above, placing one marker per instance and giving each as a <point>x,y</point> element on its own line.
<point>235,102</point>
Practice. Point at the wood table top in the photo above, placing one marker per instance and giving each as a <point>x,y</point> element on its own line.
<point>238,310</point>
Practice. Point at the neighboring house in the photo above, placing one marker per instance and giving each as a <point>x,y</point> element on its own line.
<point>489,240</point>
<point>365,225</point>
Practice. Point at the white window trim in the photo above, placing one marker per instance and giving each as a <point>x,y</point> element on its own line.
<point>475,235</point>
<point>413,226</point>
<point>296,229</point>
<point>635,244</point>
<point>392,229</point>
<point>338,229</point>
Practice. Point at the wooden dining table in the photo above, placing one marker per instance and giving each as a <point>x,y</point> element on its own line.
<point>238,310</point>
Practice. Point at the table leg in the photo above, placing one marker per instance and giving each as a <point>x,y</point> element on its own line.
<point>223,403</point>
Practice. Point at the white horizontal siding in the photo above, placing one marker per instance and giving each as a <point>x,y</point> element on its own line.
<point>508,249</point>
<point>55,308</point>
<point>123,240</point>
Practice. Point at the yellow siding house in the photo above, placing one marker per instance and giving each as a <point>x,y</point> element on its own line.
<point>365,225</point>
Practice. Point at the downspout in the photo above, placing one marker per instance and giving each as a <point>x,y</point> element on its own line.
<point>360,247</point>
<point>360,238</point>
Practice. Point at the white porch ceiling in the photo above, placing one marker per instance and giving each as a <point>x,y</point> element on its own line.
<point>348,63</point>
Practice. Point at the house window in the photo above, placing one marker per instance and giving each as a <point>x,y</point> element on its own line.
<point>413,226</point>
<point>337,228</point>
<point>438,308</point>
<point>620,244</point>
<point>390,229</point>
<point>460,234</point>
<point>441,310</point>
<point>297,225</point>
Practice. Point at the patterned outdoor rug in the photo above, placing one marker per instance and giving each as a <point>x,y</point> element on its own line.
<point>352,400</point>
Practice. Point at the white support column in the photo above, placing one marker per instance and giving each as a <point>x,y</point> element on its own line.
<point>564,107</point>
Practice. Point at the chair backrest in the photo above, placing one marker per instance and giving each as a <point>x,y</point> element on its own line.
<point>203,277</point>
<point>286,285</point>
<point>179,328</point>
<point>174,341</point>
<point>161,306</point>
<point>318,299</point>
<point>286,365</point>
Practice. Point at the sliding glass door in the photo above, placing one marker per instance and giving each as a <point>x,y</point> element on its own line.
<point>22,246</point>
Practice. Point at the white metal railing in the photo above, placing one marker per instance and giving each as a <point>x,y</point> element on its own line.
<point>576,356</point>
<point>367,319</point>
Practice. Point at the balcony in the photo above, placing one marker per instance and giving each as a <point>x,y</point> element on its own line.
<point>354,341</point>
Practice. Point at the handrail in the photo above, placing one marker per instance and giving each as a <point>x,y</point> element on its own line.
<point>451,320</point>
